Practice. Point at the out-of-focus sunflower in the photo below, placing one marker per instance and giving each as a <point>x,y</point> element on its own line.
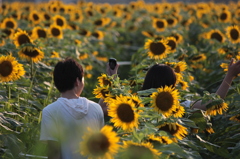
<point>38,32</point>
<point>161,139</point>
<point>89,12</point>
<point>225,16</point>
<point>102,92</point>
<point>235,118</point>
<point>171,41</point>
<point>233,33</point>
<point>35,17</point>
<point>101,144</point>
<point>102,22</point>
<point>54,54</point>
<point>10,69</point>
<point>98,34</point>
<point>174,129</point>
<point>54,8</point>
<point>9,23</point>
<point>158,49</point>
<point>76,16</point>
<point>88,67</point>
<point>148,34</point>
<point>137,101</point>
<point>84,32</point>
<point>139,150</point>
<point>56,31</point>
<point>31,53</point>
<point>60,21</point>
<point>117,12</point>
<point>180,67</point>
<point>159,24</point>
<point>171,21</point>
<point>165,100</point>
<point>215,34</point>
<point>21,37</point>
<point>104,80</point>
<point>216,107</point>
<point>6,33</point>
<point>104,59</point>
<point>178,37</point>
<point>186,22</point>
<point>183,84</point>
<point>46,16</point>
<point>123,113</point>
<point>83,56</point>
<point>198,58</point>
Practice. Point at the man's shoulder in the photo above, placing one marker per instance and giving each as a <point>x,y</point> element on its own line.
<point>51,106</point>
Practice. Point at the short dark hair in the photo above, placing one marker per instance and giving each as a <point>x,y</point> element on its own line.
<point>65,74</point>
<point>159,75</point>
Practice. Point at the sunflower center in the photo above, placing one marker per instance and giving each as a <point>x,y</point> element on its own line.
<point>177,69</point>
<point>98,144</point>
<point>6,32</point>
<point>83,32</point>
<point>62,9</point>
<point>223,16</point>
<point>106,82</point>
<point>46,16</point>
<point>196,58</point>
<point>167,129</point>
<point>170,21</point>
<point>104,92</point>
<point>157,48</point>
<point>98,22</point>
<point>172,44</point>
<point>35,17</point>
<point>238,117</point>
<point>234,34</point>
<point>216,36</point>
<point>60,22</point>
<point>125,113</point>
<point>31,52</point>
<point>6,68</point>
<point>90,13</point>
<point>41,33</point>
<point>55,32</point>
<point>10,24</point>
<point>150,33</point>
<point>160,24</point>
<point>95,35</point>
<point>139,152</point>
<point>164,101</point>
<point>22,39</point>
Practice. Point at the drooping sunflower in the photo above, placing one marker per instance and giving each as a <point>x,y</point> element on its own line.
<point>174,129</point>
<point>225,16</point>
<point>158,49</point>
<point>31,53</point>
<point>180,67</point>
<point>148,34</point>
<point>101,92</point>
<point>98,34</point>
<point>104,80</point>
<point>21,37</point>
<point>161,139</point>
<point>123,113</point>
<point>235,118</point>
<point>198,58</point>
<point>60,21</point>
<point>9,23</point>
<point>215,34</point>
<point>216,107</point>
<point>56,31</point>
<point>165,100</point>
<point>39,32</point>
<point>10,69</point>
<point>101,144</point>
<point>139,150</point>
<point>233,33</point>
<point>172,43</point>
<point>54,54</point>
<point>35,17</point>
<point>159,24</point>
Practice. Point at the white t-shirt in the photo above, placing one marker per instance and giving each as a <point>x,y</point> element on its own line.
<point>66,120</point>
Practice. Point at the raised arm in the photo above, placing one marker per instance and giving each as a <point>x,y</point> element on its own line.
<point>233,71</point>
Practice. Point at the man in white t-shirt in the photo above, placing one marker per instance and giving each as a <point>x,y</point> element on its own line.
<point>65,120</point>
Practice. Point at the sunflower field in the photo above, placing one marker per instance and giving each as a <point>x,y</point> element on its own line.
<point>196,39</point>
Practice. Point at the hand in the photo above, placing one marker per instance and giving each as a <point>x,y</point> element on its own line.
<point>233,68</point>
<point>111,72</point>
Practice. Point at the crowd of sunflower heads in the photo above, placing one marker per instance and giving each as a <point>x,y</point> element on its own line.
<point>141,124</point>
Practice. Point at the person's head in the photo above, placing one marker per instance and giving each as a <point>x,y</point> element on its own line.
<point>159,75</point>
<point>67,74</point>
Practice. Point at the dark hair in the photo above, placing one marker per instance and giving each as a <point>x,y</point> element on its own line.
<point>65,74</point>
<point>159,75</point>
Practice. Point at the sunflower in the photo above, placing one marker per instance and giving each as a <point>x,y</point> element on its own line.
<point>178,37</point>
<point>56,31</point>
<point>180,67</point>
<point>137,101</point>
<point>38,32</point>
<point>178,112</point>
<point>216,107</point>
<point>198,58</point>
<point>7,33</point>
<point>233,33</point>
<point>216,35</point>
<point>117,12</point>
<point>35,17</point>
<point>101,92</point>
<point>139,150</point>
<point>159,24</point>
<point>46,16</point>
<point>172,43</point>
<point>174,129</point>
<point>100,145</point>
<point>158,49</point>
<point>54,54</point>
<point>165,100</point>
<point>101,22</point>
<point>10,69</point>
<point>224,16</point>
<point>21,37</point>
<point>60,21</point>
<point>84,32</point>
<point>9,23</point>
<point>123,113</point>
<point>98,34</point>
<point>235,118</point>
<point>31,53</point>
<point>89,67</point>
<point>161,139</point>
<point>83,56</point>
<point>148,34</point>
<point>171,21</point>
<point>183,84</point>
<point>104,80</point>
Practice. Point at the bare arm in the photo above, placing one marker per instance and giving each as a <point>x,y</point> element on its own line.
<point>54,150</point>
<point>233,71</point>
